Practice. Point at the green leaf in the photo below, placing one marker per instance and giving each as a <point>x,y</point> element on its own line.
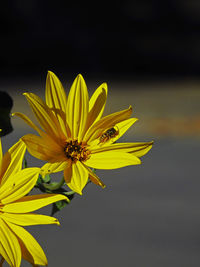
<point>57,206</point>
<point>52,186</point>
<point>47,178</point>
<point>39,180</point>
<point>25,164</point>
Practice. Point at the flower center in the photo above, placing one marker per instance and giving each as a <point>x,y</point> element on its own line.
<point>75,150</point>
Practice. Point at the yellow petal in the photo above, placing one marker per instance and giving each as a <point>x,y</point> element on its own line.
<point>12,161</point>
<point>28,121</point>
<point>111,160</point>
<point>28,219</point>
<point>68,172</point>
<point>79,177</point>
<point>45,116</point>
<point>137,149</point>
<point>77,107</point>
<point>18,185</point>
<point>26,255</point>
<point>143,151</point>
<point>30,244</point>
<point>46,137</point>
<point>56,99</point>
<point>94,178</point>
<point>31,203</point>
<point>9,245</point>
<point>43,148</point>
<point>53,167</point>
<point>96,104</point>
<point>55,93</point>
<point>4,164</point>
<point>97,129</point>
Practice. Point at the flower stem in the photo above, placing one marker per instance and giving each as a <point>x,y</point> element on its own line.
<point>54,186</point>
<point>69,193</point>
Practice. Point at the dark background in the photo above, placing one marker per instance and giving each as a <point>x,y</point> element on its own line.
<point>123,38</point>
<point>148,52</point>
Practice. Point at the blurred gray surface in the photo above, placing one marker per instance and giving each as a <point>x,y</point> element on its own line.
<point>148,215</point>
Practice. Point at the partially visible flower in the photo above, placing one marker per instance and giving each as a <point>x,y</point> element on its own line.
<point>16,209</point>
<point>75,138</point>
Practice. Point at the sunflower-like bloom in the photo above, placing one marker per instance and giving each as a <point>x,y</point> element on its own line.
<point>16,209</point>
<point>75,136</point>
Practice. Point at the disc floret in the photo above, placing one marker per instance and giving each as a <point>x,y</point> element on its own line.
<point>76,151</point>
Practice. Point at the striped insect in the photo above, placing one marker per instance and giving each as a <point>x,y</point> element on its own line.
<point>108,134</point>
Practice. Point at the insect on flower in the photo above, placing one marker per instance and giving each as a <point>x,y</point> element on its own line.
<point>108,135</point>
<point>74,137</point>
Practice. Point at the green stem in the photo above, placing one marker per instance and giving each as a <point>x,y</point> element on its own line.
<point>54,186</point>
<point>69,193</point>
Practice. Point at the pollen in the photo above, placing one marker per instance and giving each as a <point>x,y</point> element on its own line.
<point>76,151</point>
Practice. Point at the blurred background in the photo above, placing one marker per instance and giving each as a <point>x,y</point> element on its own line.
<point>148,51</point>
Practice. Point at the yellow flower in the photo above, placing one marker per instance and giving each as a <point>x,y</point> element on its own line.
<point>74,137</point>
<point>16,209</point>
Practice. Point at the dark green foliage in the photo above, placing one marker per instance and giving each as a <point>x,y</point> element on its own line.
<point>46,186</point>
